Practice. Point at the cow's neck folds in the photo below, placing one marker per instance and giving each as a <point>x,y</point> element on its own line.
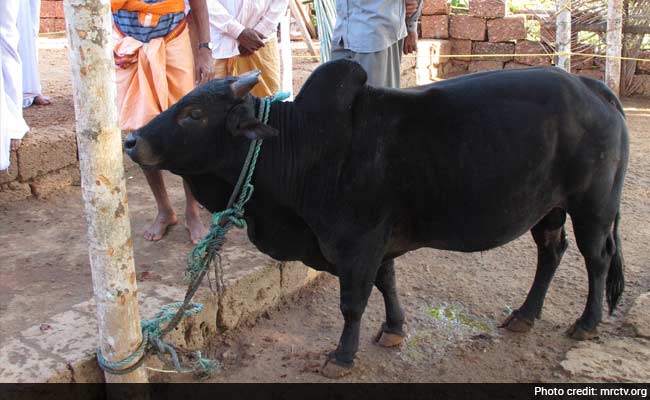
<point>282,160</point>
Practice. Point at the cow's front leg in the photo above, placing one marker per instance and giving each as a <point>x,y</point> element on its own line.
<point>391,333</point>
<point>356,283</point>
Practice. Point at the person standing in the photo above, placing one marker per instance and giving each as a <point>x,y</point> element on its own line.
<point>375,33</point>
<point>154,69</point>
<point>244,33</point>
<point>12,124</point>
<point>28,25</point>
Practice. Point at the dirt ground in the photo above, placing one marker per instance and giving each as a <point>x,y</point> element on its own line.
<point>453,301</point>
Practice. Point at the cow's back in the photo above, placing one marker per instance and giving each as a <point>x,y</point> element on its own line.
<point>478,155</point>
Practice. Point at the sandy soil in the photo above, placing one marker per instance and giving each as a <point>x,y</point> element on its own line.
<point>453,301</point>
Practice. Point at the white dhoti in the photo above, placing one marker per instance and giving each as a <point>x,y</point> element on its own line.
<point>12,123</point>
<point>28,27</point>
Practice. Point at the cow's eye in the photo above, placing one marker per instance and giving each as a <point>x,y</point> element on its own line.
<point>196,114</point>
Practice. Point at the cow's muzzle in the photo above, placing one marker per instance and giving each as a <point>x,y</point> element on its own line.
<point>140,151</point>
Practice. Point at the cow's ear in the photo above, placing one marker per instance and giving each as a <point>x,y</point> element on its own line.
<point>254,129</point>
<point>245,83</point>
<point>241,122</point>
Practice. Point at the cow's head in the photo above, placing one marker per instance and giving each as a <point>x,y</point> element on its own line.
<point>192,135</point>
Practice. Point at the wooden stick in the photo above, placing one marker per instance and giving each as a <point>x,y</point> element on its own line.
<point>303,28</point>
<point>305,17</point>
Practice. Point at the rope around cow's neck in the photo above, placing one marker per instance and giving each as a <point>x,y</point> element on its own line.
<point>198,263</point>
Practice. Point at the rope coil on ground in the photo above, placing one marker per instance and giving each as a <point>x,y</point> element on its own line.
<point>198,263</point>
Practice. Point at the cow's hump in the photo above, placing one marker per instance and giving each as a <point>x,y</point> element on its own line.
<point>332,86</point>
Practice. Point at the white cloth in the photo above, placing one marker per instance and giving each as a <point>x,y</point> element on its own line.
<point>12,123</point>
<point>228,18</point>
<point>28,27</point>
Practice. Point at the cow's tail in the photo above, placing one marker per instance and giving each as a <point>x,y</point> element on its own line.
<point>604,92</point>
<point>615,278</point>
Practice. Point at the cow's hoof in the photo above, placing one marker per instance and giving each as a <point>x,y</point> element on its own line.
<point>388,339</point>
<point>334,370</point>
<point>515,323</point>
<point>577,332</point>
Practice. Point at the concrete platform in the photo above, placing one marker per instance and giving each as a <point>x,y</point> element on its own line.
<point>48,327</point>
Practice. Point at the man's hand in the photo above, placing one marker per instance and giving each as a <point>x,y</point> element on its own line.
<point>203,66</point>
<point>411,43</point>
<point>250,40</point>
<point>243,52</point>
<point>411,7</point>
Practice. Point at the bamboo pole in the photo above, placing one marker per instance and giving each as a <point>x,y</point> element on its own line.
<point>305,17</point>
<point>88,25</point>
<point>614,44</point>
<point>563,35</point>
<point>303,29</point>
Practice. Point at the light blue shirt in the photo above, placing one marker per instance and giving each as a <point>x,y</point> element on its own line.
<point>367,26</point>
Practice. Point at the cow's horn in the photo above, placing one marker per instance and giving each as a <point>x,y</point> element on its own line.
<point>245,83</point>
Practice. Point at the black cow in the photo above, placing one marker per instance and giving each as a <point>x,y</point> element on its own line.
<point>359,175</point>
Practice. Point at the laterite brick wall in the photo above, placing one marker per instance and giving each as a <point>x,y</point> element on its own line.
<point>52,19</point>
<point>487,29</point>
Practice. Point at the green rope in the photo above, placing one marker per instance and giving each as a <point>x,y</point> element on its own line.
<point>198,263</point>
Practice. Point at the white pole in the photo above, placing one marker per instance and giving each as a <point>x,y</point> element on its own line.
<point>285,48</point>
<point>88,24</point>
<point>563,35</point>
<point>614,45</point>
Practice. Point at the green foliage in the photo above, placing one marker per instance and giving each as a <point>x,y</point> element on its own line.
<point>454,315</point>
<point>523,5</point>
<point>460,3</point>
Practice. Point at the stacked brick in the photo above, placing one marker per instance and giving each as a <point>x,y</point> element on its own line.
<point>52,19</point>
<point>45,162</point>
<point>484,38</point>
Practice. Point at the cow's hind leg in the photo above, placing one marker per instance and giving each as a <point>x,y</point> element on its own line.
<point>600,247</point>
<point>550,237</point>
<point>391,333</point>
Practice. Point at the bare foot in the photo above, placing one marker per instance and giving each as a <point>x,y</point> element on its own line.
<point>15,144</point>
<point>159,226</point>
<point>41,100</point>
<point>195,227</point>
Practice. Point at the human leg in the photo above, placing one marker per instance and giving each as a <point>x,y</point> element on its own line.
<point>180,79</point>
<point>193,221</point>
<point>166,216</point>
<point>13,126</point>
